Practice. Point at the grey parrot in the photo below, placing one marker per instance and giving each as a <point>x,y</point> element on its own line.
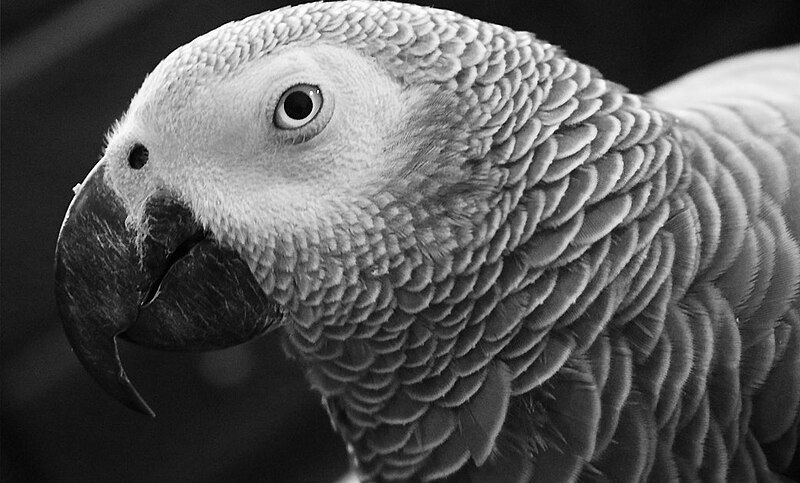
<point>492,263</point>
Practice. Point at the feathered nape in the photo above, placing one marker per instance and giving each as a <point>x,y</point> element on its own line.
<point>564,180</point>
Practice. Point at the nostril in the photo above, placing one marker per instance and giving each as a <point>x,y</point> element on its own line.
<point>138,156</point>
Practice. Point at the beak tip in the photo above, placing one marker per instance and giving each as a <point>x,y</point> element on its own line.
<point>129,396</point>
<point>142,407</point>
<point>123,390</point>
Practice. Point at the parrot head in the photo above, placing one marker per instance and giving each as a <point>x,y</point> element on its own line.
<point>286,170</point>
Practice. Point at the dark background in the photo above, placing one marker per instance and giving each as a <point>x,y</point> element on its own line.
<point>68,70</point>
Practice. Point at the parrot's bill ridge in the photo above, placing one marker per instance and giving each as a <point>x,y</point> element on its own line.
<point>179,290</point>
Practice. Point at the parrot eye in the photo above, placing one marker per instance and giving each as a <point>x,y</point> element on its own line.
<point>298,106</point>
<point>138,156</point>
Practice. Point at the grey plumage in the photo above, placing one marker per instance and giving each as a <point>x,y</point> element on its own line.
<point>553,278</point>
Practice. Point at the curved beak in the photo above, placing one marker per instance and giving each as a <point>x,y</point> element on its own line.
<point>174,288</point>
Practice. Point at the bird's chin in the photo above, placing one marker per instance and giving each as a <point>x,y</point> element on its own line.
<point>175,289</point>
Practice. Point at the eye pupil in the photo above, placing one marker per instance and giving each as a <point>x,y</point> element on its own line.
<point>138,156</point>
<point>298,105</point>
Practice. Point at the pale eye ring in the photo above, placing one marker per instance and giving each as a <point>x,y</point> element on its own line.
<point>298,106</point>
